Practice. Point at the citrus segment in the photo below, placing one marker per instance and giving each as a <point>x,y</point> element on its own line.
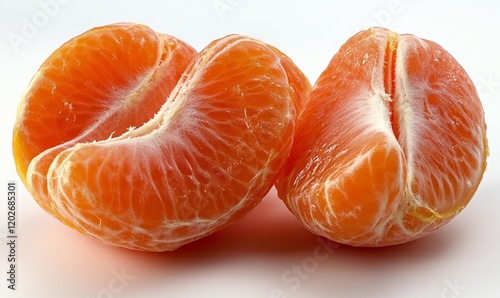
<point>204,158</point>
<point>391,144</point>
<point>96,85</point>
<point>99,83</point>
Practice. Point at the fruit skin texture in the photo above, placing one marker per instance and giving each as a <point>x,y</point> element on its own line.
<point>207,156</point>
<point>390,146</point>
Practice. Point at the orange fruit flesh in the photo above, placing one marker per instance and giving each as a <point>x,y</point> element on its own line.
<point>390,146</point>
<point>209,155</point>
<point>107,76</point>
<point>92,88</point>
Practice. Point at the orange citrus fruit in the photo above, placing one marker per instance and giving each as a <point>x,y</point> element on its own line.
<point>390,146</point>
<point>97,85</point>
<point>217,131</point>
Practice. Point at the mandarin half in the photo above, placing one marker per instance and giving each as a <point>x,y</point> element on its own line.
<point>131,137</point>
<point>390,146</point>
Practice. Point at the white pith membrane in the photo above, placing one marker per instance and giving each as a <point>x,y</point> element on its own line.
<point>148,148</point>
<point>430,196</point>
<point>409,137</point>
<point>123,97</point>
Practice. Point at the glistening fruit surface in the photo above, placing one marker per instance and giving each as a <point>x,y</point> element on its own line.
<point>391,144</point>
<point>208,152</point>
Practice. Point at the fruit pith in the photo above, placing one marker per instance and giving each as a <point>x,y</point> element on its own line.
<point>391,144</point>
<point>214,138</point>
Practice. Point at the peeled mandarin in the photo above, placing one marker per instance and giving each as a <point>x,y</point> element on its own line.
<point>390,146</point>
<point>132,137</point>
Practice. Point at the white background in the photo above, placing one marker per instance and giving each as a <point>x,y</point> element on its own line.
<point>268,253</point>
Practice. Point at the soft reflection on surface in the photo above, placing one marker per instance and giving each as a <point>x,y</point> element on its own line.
<point>267,253</point>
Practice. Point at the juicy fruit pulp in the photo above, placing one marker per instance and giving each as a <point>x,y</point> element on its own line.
<point>390,146</point>
<point>98,84</point>
<point>208,153</point>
